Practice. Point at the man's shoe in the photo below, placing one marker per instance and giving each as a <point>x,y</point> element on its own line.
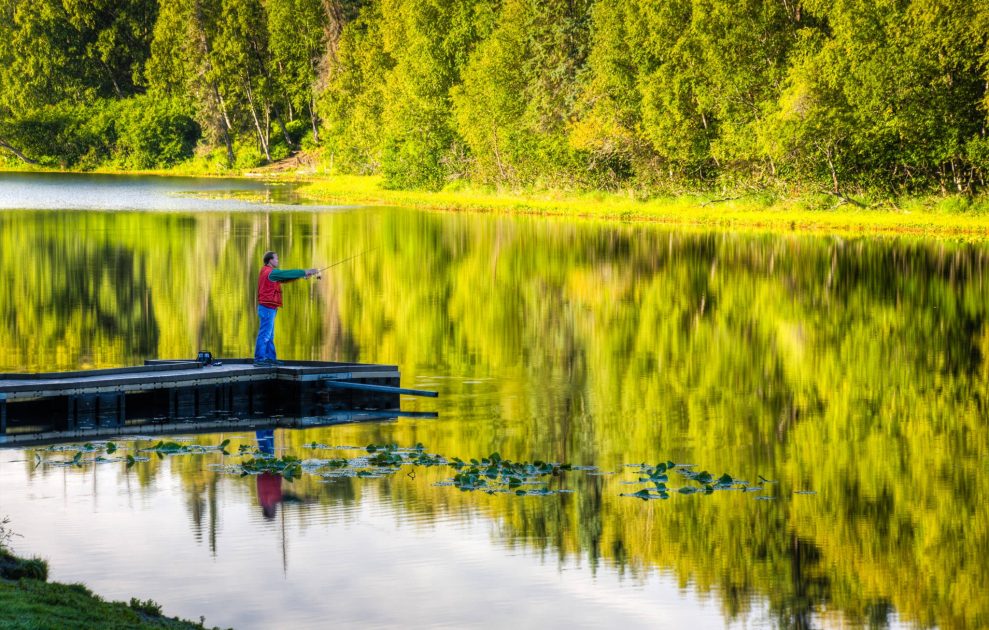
<point>262,363</point>
<point>275,362</point>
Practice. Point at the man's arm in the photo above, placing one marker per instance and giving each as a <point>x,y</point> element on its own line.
<point>288,275</point>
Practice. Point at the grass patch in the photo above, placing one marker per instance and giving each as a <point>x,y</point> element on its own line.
<point>29,602</point>
<point>38,605</point>
<point>14,568</point>
<point>811,212</point>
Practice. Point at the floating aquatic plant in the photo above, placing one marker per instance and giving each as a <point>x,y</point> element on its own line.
<point>658,476</point>
<point>78,457</point>
<point>492,474</point>
<point>174,448</point>
<point>288,467</point>
<point>496,474</point>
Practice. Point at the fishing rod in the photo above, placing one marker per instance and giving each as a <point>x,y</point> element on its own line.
<point>319,272</point>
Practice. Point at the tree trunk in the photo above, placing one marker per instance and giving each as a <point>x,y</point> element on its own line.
<point>497,154</point>
<point>214,89</point>
<point>315,122</point>
<point>262,138</point>
<point>288,101</point>
<point>225,127</point>
<point>288,139</point>
<point>113,81</point>
<point>335,20</point>
<point>6,145</point>
<point>829,156</point>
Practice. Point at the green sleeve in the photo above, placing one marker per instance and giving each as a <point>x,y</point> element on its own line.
<point>286,275</point>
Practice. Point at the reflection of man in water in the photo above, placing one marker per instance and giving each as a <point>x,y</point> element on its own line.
<point>269,484</point>
<point>269,493</point>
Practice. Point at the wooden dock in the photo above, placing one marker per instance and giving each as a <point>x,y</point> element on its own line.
<point>167,392</point>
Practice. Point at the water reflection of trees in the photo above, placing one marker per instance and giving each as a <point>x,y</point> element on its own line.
<point>850,366</point>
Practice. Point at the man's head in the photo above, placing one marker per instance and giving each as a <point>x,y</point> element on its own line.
<point>271,258</point>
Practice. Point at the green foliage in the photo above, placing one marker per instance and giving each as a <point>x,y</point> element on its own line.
<point>352,105</point>
<point>14,568</point>
<point>428,43</point>
<point>287,467</point>
<point>49,606</point>
<point>139,132</point>
<point>885,96</point>
<point>298,41</point>
<point>519,92</point>
<point>154,132</point>
<point>296,130</point>
<point>55,52</point>
<point>148,607</point>
<point>839,98</point>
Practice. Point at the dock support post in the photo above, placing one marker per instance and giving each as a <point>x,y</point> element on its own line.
<point>110,410</point>
<point>302,399</point>
<point>104,410</point>
<point>3,414</point>
<point>70,413</point>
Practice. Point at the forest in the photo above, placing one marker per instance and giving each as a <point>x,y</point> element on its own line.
<point>840,97</point>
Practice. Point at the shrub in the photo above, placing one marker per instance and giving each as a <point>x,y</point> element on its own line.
<point>155,132</point>
<point>296,129</point>
<point>60,135</point>
<point>14,568</point>
<point>248,155</point>
<point>148,607</point>
<point>139,132</point>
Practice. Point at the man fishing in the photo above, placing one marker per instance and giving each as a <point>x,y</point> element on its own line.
<point>269,300</point>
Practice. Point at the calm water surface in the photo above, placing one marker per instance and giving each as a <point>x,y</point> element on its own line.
<point>850,372</point>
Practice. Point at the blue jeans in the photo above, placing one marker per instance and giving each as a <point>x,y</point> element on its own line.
<point>264,348</point>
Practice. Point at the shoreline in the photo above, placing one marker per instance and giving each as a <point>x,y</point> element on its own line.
<point>29,600</point>
<point>812,213</point>
<point>936,217</point>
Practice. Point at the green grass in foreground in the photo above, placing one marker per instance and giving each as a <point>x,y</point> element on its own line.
<point>29,602</point>
<point>813,212</point>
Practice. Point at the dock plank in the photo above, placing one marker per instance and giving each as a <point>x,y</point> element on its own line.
<point>169,393</point>
<point>169,375</point>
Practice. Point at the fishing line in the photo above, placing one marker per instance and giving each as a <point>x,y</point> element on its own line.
<point>340,262</point>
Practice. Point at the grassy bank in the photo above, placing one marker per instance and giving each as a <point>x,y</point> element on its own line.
<point>29,601</point>
<point>808,212</point>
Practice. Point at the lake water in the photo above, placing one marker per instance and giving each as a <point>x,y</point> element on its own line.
<point>845,379</point>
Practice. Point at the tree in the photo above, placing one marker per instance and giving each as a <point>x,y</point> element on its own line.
<point>351,103</point>
<point>298,41</point>
<point>429,43</point>
<point>184,64</point>
<point>888,95</point>
<point>519,92</point>
<point>73,50</point>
